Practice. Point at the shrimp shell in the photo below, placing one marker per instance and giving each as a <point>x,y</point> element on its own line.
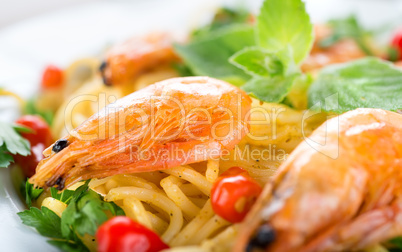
<point>128,60</point>
<point>174,122</point>
<point>346,202</point>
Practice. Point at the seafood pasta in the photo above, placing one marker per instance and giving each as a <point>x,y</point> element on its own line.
<point>258,133</point>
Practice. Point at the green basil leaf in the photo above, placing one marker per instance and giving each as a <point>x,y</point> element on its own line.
<point>209,55</point>
<point>282,23</point>
<point>223,17</point>
<point>270,89</point>
<point>364,83</point>
<point>258,61</point>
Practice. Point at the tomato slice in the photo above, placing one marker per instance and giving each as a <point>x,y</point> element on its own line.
<point>233,194</point>
<point>40,138</point>
<point>52,77</point>
<point>122,234</point>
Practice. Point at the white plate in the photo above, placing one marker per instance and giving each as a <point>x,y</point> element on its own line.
<point>63,36</point>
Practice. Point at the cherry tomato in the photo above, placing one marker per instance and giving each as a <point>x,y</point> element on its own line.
<point>52,77</point>
<point>121,234</point>
<point>233,194</point>
<point>396,44</point>
<point>40,138</point>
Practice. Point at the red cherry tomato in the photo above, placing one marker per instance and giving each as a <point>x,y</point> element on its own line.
<point>121,234</point>
<point>233,194</point>
<point>396,42</point>
<point>52,77</point>
<point>40,138</point>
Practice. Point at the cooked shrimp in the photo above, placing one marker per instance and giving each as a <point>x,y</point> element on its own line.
<point>342,51</point>
<point>140,54</point>
<point>174,122</point>
<point>321,203</point>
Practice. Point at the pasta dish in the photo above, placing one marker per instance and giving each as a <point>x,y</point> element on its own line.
<point>255,133</point>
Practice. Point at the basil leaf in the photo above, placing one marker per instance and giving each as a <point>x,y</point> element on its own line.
<point>270,89</point>
<point>297,97</point>
<point>364,83</point>
<point>258,61</point>
<point>224,17</point>
<point>282,23</point>
<point>209,55</point>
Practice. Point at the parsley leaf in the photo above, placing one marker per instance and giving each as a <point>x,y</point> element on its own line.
<point>86,212</point>
<point>11,143</point>
<point>65,196</point>
<point>396,244</point>
<point>364,83</point>
<point>69,246</point>
<point>45,221</point>
<point>283,23</point>
<point>209,55</point>
<point>31,193</point>
<point>48,224</point>
<point>5,158</point>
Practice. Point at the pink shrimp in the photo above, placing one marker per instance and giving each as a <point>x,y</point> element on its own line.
<point>319,203</point>
<point>128,60</point>
<point>174,122</point>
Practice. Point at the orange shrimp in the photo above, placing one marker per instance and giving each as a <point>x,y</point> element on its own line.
<point>140,54</point>
<point>174,122</point>
<point>319,203</point>
<point>342,51</point>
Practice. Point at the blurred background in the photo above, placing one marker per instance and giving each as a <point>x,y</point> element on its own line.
<point>12,11</point>
<point>34,33</point>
